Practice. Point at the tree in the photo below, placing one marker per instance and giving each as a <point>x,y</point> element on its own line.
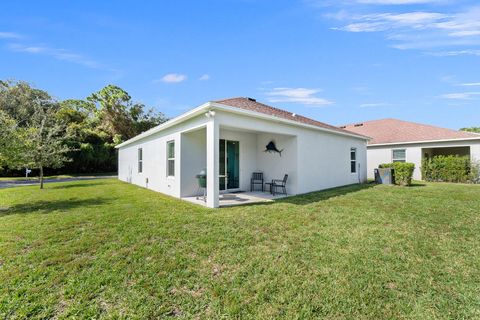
<point>33,133</point>
<point>119,117</point>
<point>471,129</point>
<point>96,150</point>
<point>11,141</point>
<point>45,140</point>
<point>18,100</point>
<point>91,127</point>
<point>113,106</point>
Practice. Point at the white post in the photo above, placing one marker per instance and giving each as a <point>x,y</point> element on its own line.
<point>213,136</point>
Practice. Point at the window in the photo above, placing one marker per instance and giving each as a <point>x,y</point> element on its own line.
<point>399,155</point>
<point>353,160</point>
<point>171,158</point>
<point>140,160</point>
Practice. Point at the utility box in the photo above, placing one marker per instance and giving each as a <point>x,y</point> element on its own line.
<point>384,176</point>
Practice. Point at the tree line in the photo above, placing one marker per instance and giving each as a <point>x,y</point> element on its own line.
<point>471,129</point>
<point>54,136</point>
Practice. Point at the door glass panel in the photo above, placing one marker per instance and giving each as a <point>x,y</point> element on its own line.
<point>222,165</point>
<point>233,167</point>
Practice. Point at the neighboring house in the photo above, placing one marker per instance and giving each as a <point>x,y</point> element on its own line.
<point>228,138</point>
<point>396,140</point>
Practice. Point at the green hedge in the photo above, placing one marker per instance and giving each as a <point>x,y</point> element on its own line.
<point>403,172</point>
<point>450,169</point>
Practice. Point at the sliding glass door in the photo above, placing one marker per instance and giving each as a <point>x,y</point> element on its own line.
<point>229,164</point>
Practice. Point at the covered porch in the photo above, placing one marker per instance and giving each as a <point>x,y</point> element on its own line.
<point>230,155</point>
<point>230,199</point>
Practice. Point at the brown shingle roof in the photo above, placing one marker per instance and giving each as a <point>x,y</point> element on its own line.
<point>394,130</point>
<point>252,105</point>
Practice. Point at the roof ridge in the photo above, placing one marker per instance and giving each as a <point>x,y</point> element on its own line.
<point>410,122</point>
<point>285,114</point>
<point>392,130</point>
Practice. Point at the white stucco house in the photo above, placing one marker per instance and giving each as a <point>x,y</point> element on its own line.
<point>396,140</point>
<point>228,138</point>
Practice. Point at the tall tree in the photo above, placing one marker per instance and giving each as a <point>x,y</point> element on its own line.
<point>119,117</point>
<point>113,105</point>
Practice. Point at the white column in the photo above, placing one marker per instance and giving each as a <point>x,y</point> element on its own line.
<point>213,136</point>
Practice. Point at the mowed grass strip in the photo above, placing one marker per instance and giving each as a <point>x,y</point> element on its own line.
<point>107,249</point>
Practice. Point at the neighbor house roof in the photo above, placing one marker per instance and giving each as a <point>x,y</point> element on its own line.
<point>249,107</point>
<point>253,105</point>
<point>390,131</point>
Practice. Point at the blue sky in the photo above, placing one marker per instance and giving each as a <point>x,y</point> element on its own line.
<point>336,61</point>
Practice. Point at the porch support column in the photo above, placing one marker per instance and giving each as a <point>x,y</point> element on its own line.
<point>213,136</point>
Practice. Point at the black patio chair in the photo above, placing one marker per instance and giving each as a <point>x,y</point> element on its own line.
<point>278,184</point>
<point>257,179</point>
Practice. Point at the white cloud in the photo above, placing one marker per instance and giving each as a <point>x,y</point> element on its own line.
<point>390,21</point>
<point>455,53</point>
<point>59,54</point>
<point>460,95</point>
<point>204,77</point>
<point>416,29</point>
<point>374,105</point>
<point>297,95</point>
<point>9,35</point>
<point>172,78</point>
<point>470,84</point>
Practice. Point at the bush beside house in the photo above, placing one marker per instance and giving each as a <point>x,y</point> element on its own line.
<point>450,169</point>
<point>403,172</point>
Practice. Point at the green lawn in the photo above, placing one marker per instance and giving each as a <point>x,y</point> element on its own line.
<point>61,176</point>
<point>102,248</point>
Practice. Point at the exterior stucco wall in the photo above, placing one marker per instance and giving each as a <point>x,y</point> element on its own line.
<point>325,161</point>
<point>155,159</point>
<point>275,166</point>
<point>414,153</point>
<point>313,159</point>
<point>194,159</point>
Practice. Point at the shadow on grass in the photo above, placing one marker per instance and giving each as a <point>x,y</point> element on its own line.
<point>316,196</point>
<point>47,206</point>
<point>417,184</point>
<point>77,184</point>
<point>323,195</point>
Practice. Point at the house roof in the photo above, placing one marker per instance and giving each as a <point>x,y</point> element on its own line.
<point>390,131</point>
<point>253,105</point>
<point>250,107</point>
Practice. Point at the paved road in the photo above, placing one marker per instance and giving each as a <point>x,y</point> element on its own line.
<point>19,183</point>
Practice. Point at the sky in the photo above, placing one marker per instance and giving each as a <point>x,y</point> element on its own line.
<point>340,62</point>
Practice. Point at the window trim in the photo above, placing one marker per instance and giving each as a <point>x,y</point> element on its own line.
<point>352,149</point>
<point>170,159</point>
<point>140,160</point>
<point>399,160</point>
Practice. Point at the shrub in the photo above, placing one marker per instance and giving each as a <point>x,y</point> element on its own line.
<point>403,172</point>
<point>450,169</point>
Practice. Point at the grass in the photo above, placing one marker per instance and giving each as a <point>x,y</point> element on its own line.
<point>61,176</point>
<point>106,249</point>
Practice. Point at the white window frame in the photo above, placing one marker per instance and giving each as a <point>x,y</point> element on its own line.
<point>398,159</point>
<point>169,175</point>
<point>354,160</point>
<point>140,160</point>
